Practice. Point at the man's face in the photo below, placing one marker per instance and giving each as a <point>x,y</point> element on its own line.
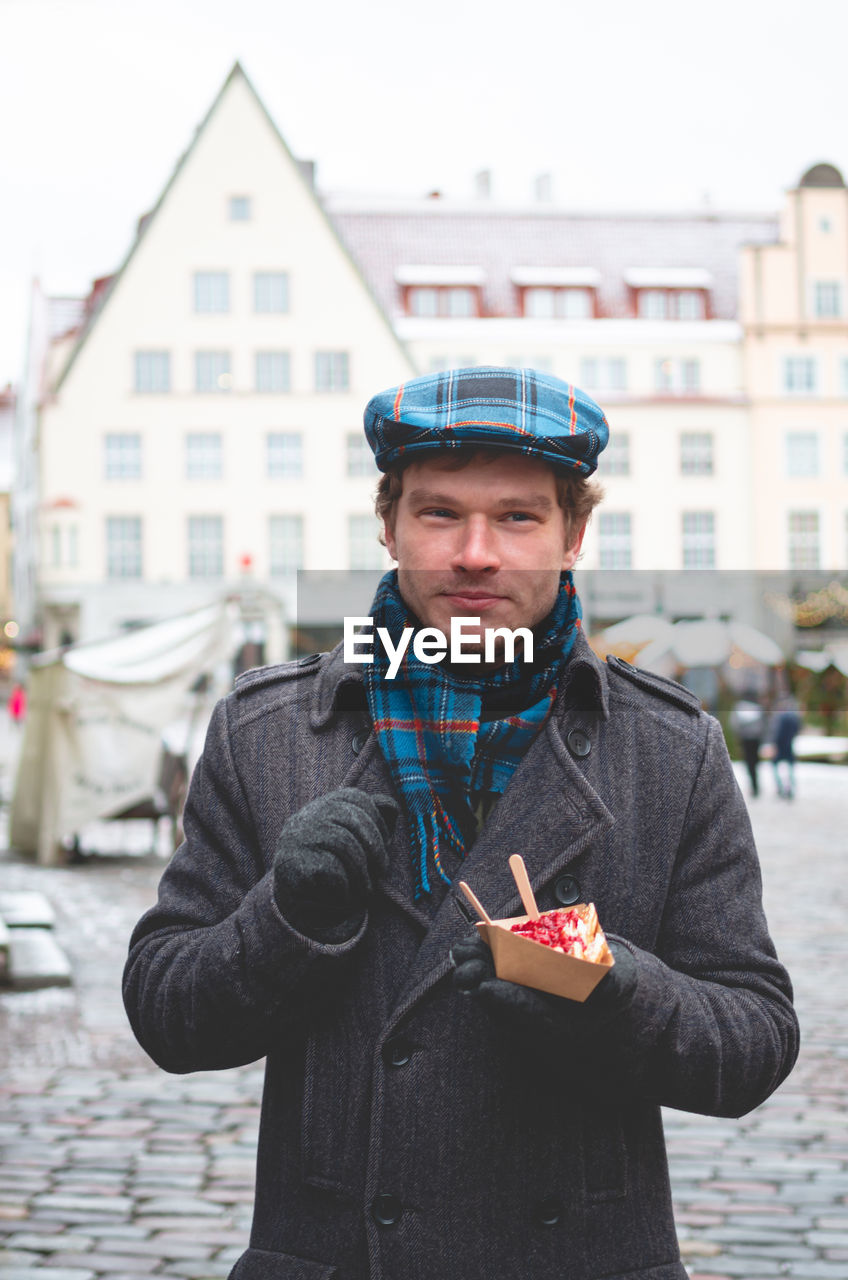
<point>488,540</point>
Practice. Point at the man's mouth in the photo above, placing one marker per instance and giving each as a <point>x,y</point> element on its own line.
<point>474,599</point>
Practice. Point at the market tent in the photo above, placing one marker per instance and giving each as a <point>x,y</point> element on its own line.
<point>832,655</point>
<point>710,643</point>
<point>97,716</point>
<point>628,638</point>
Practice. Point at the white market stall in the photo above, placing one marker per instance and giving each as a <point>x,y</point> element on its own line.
<point>98,715</point>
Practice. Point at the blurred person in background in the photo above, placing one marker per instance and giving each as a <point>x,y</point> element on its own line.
<point>748,721</point>
<point>17,705</point>
<point>786,726</point>
<point>422,1118</point>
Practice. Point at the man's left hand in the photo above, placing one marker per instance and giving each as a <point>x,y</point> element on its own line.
<point>530,1011</point>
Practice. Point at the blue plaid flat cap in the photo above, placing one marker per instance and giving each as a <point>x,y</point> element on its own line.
<point>519,409</point>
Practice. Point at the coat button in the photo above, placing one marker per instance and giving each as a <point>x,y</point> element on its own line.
<point>386,1210</point>
<point>359,740</point>
<point>397,1052</point>
<point>578,743</point>
<point>548,1212</point>
<point>566,891</point>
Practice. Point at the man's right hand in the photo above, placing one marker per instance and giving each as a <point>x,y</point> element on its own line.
<point>328,857</point>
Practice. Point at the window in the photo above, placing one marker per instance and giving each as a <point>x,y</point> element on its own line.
<point>843,375</point>
<point>285,544</point>
<point>696,453</point>
<point>360,459</point>
<point>671,304</point>
<point>845,453</point>
<point>212,371</point>
<point>285,455</point>
<point>332,371</point>
<point>615,460</point>
<point>152,372</point>
<point>827,299</point>
<point>122,455</point>
<point>424,302</point>
<point>271,292</point>
<point>205,546</point>
<point>690,376</point>
<point>603,373</point>
<point>56,544</point>
<point>653,304</point>
<point>364,550</point>
<point>799,375</point>
<point>614,540</point>
<point>240,209</point>
<point>677,377</point>
<point>460,302</point>
<point>546,303</point>
<point>689,305</point>
<point>123,546</point>
<point>211,292</point>
<point>803,540</point>
<point>802,453</point>
<point>204,455</point>
<point>455,301</point>
<point>273,372</point>
<point>699,540</point>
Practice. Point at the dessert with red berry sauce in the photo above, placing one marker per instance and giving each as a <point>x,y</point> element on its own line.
<point>573,930</point>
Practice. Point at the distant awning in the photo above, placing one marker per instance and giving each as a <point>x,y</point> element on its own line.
<point>428,274</point>
<point>553,277</point>
<point>668,278</point>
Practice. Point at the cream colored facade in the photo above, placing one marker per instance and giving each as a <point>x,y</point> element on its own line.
<point>794,313</point>
<point>155,495</point>
<point>200,433</point>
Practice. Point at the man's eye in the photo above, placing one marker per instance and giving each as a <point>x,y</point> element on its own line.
<point>437,511</point>
<point>520,516</point>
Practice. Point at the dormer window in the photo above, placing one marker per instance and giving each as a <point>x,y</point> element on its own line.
<point>556,293</point>
<point>669,293</point>
<point>447,292</point>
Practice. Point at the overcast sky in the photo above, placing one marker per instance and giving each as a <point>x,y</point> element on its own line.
<point>635,104</point>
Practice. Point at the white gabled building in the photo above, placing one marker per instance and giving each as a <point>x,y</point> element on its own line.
<point>202,428</point>
<point>193,429</point>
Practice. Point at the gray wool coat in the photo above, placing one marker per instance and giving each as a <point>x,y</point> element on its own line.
<point>404,1134</point>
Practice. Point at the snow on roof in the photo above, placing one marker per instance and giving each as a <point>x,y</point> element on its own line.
<point>429,273</point>
<point>64,315</point>
<point>501,241</point>
<point>668,278</point>
<point>586,276</point>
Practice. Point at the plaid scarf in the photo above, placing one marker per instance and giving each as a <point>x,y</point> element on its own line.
<point>429,727</point>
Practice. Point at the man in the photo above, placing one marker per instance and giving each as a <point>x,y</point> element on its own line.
<point>423,1118</point>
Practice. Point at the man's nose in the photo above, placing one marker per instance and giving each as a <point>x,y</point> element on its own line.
<point>476,550</point>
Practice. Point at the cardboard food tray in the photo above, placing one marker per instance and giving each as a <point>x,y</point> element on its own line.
<point>532,964</point>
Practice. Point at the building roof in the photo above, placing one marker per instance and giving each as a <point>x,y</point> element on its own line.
<point>501,243</point>
<point>102,289</point>
<point>64,316</point>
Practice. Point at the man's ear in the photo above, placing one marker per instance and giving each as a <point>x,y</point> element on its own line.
<point>389,539</point>
<point>571,552</point>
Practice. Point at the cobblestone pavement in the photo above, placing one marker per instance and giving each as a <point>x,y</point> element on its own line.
<point>110,1169</point>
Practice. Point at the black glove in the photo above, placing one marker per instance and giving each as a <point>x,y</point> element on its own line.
<point>536,1014</point>
<point>328,856</point>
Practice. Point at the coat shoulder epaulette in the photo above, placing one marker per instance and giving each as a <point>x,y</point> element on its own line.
<point>650,682</point>
<point>261,677</point>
